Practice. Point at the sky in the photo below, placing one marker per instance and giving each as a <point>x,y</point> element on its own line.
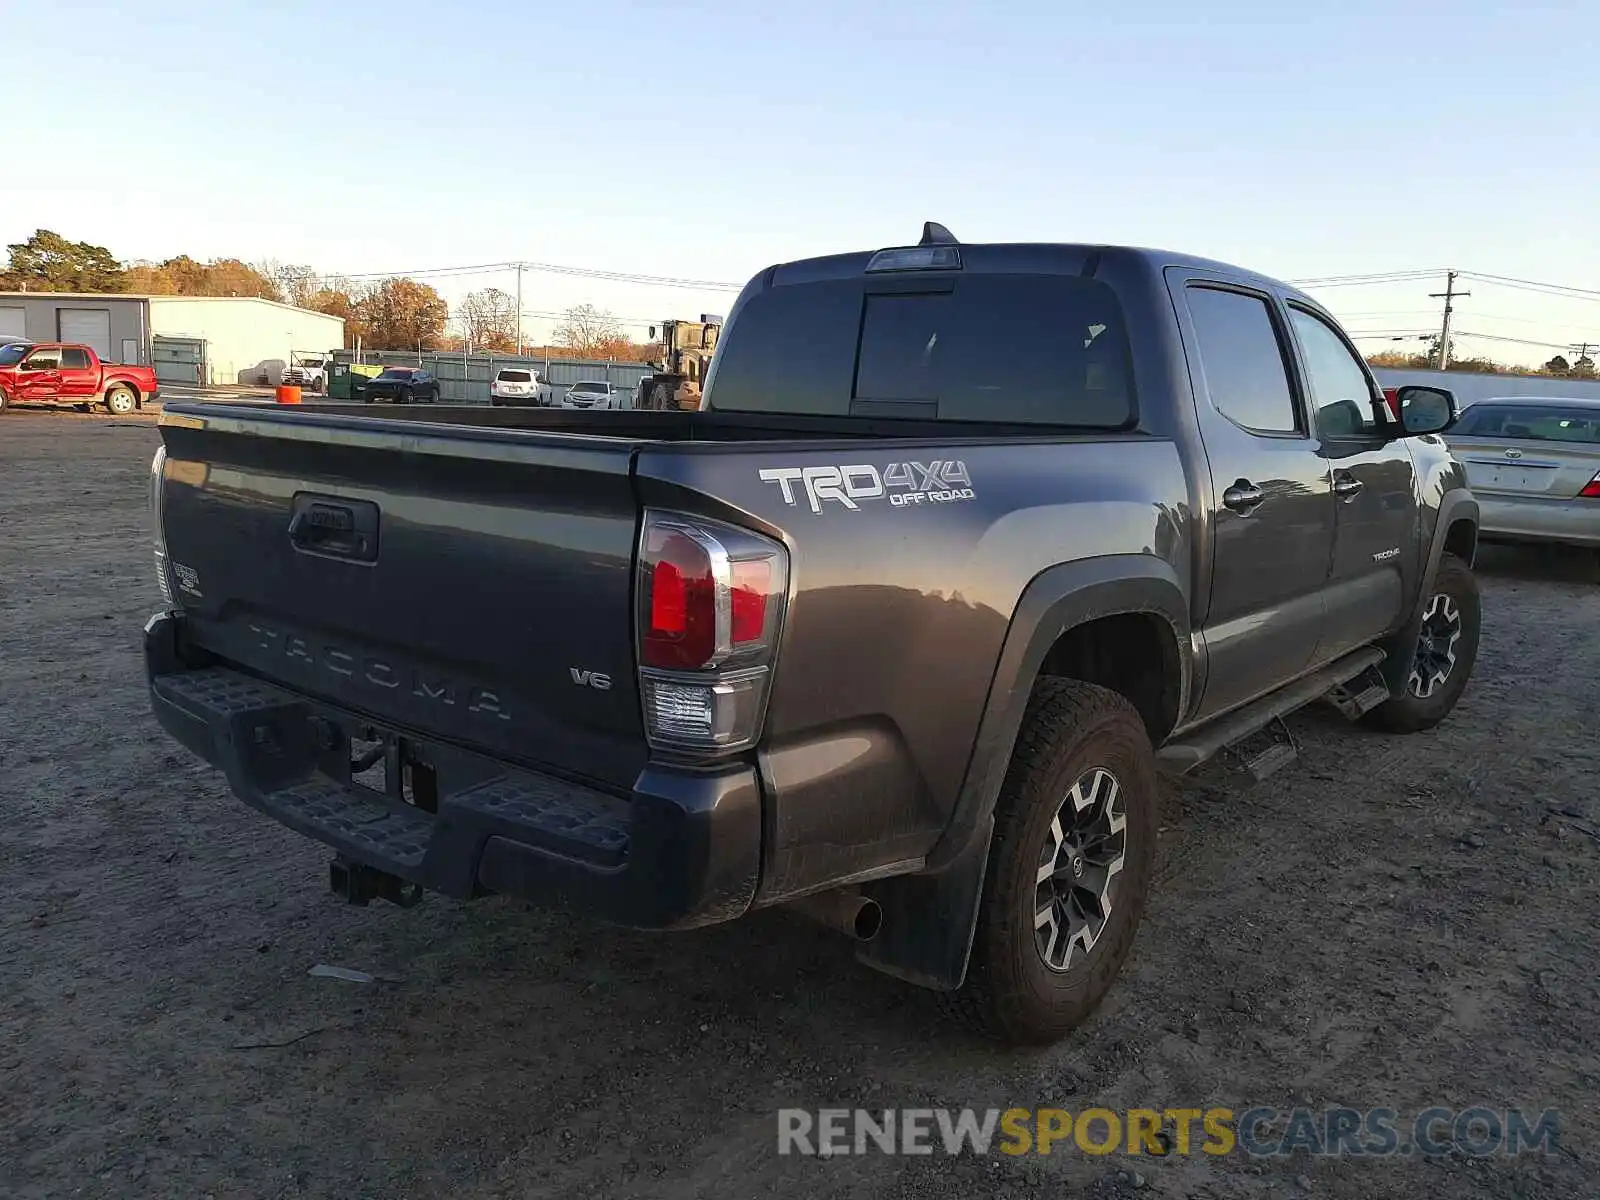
<point>708,142</point>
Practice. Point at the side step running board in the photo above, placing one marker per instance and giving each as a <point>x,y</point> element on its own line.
<point>1359,696</point>
<point>1187,753</point>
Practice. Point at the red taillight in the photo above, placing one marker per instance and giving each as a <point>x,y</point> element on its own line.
<point>710,593</point>
<point>1591,490</point>
<point>711,601</point>
<point>680,630</point>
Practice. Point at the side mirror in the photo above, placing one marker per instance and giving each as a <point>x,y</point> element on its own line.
<point>1425,409</point>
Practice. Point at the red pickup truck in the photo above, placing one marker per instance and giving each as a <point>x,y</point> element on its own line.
<point>66,373</point>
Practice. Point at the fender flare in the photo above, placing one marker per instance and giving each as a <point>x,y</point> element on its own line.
<point>1455,505</point>
<point>930,918</point>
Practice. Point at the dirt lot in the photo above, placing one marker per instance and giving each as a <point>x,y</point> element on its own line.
<point>1391,922</point>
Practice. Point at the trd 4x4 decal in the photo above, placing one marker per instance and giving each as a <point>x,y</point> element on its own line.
<point>902,484</point>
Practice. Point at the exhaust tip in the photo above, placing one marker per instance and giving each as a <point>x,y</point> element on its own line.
<point>869,919</point>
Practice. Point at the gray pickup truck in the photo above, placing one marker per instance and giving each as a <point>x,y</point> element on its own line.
<point>967,544</point>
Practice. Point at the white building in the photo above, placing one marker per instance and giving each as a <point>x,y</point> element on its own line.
<point>233,339</point>
<point>189,339</point>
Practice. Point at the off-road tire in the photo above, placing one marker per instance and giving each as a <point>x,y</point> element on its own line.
<point>1407,712</point>
<point>120,401</point>
<point>1009,993</point>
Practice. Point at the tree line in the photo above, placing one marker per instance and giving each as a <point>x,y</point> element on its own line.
<point>387,314</point>
<point>1559,366</point>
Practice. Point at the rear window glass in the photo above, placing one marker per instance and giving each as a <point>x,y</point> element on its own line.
<point>515,377</point>
<point>1036,349</point>
<point>1534,422</point>
<point>398,373</point>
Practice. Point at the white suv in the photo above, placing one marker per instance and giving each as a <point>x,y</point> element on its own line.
<point>518,386</point>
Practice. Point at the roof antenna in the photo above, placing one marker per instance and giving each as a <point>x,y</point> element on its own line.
<point>935,234</point>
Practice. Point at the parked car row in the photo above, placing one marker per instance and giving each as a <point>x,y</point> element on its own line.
<point>515,387</point>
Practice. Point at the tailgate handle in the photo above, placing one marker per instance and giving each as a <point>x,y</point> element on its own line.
<point>334,528</point>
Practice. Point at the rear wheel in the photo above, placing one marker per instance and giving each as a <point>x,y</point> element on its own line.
<point>1070,866</point>
<point>1446,650</point>
<point>120,400</point>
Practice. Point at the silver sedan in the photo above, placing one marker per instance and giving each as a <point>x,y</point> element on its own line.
<point>1534,464</point>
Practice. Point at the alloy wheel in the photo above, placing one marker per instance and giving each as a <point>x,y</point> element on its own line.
<point>1084,851</point>
<point>1436,647</point>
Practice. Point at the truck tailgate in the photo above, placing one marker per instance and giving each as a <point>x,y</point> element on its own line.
<point>472,585</point>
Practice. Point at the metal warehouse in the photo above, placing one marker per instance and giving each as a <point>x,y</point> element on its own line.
<point>189,339</point>
<point>118,327</point>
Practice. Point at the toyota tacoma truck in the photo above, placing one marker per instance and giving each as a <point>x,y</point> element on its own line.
<point>966,545</point>
<point>58,373</point>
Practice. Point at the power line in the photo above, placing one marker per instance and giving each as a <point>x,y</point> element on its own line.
<point>1513,281</point>
<point>629,277</point>
<point>1500,337</point>
<point>1330,281</point>
<point>633,277</point>
<point>423,271</point>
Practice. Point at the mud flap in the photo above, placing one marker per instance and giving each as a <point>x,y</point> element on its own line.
<point>929,920</point>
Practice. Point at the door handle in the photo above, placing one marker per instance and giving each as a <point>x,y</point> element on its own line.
<point>335,528</point>
<point>1243,496</point>
<point>1346,486</point>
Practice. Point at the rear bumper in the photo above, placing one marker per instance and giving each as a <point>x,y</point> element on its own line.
<point>682,850</point>
<point>1539,519</point>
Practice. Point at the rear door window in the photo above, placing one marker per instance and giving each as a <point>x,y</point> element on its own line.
<point>1035,349</point>
<point>1242,359</point>
<point>73,358</point>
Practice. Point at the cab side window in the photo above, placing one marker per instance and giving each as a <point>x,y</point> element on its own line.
<point>1341,391</point>
<point>1242,359</point>
<point>42,360</point>
<point>73,358</point>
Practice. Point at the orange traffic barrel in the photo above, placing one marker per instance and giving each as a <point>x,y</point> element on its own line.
<point>288,395</point>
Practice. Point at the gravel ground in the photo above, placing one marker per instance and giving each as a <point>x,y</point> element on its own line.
<point>1395,922</point>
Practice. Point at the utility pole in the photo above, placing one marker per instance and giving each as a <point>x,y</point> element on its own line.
<point>1448,295</point>
<point>519,310</point>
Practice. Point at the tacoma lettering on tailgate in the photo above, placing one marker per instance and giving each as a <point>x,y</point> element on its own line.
<point>376,672</point>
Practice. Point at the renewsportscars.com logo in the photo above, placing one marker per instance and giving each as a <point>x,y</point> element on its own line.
<point>1336,1132</point>
<point>902,484</point>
